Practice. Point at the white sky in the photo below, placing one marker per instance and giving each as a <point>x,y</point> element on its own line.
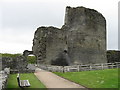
<point>20,18</point>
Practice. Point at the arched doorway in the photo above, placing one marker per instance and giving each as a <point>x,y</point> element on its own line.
<point>30,57</point>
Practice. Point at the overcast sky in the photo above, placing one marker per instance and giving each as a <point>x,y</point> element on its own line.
<point>20,18</point>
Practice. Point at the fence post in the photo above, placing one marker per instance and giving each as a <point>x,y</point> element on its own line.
<point>112,65</point>
<point>78,68</point>
<point>102,66</point>
<point>63,69</point>
<point>117,64</point>
<point>90,67</point>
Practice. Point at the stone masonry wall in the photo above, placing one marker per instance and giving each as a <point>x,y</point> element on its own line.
<point>16,63</point>
<point>81,40</point>
<point>86,35</point>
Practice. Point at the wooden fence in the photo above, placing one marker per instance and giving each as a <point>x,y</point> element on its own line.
<point>82,67</point>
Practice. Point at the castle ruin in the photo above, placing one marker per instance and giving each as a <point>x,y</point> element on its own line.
<point>81,40</point>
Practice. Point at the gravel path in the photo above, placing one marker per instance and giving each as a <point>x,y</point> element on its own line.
<point>51,80</point>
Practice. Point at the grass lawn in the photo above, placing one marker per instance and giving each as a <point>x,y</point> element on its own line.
<point>93,79</point>
<point>34,82</point>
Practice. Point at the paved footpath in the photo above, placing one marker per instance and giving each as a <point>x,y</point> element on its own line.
<point>51,80</point>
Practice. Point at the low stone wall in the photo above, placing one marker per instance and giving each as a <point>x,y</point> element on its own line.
<point>52,68</point>
<point>77,68</point>
<point>4,74</point>
<point>23,71</point>
<point>29,69</point>
<point>18,62</point>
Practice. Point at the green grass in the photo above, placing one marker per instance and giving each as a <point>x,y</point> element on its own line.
<point>93,79</point>
<point>34,82</point>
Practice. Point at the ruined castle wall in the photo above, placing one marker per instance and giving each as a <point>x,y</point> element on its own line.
<point>49,43</point>
<point>82,39</point>
<point>86,35</point>
<point>54,44</point>
<point>39,44</point>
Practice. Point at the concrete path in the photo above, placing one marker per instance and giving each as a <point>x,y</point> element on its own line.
<point>51,80</point>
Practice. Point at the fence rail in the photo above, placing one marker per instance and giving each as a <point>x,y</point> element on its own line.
<point>82,67</point>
